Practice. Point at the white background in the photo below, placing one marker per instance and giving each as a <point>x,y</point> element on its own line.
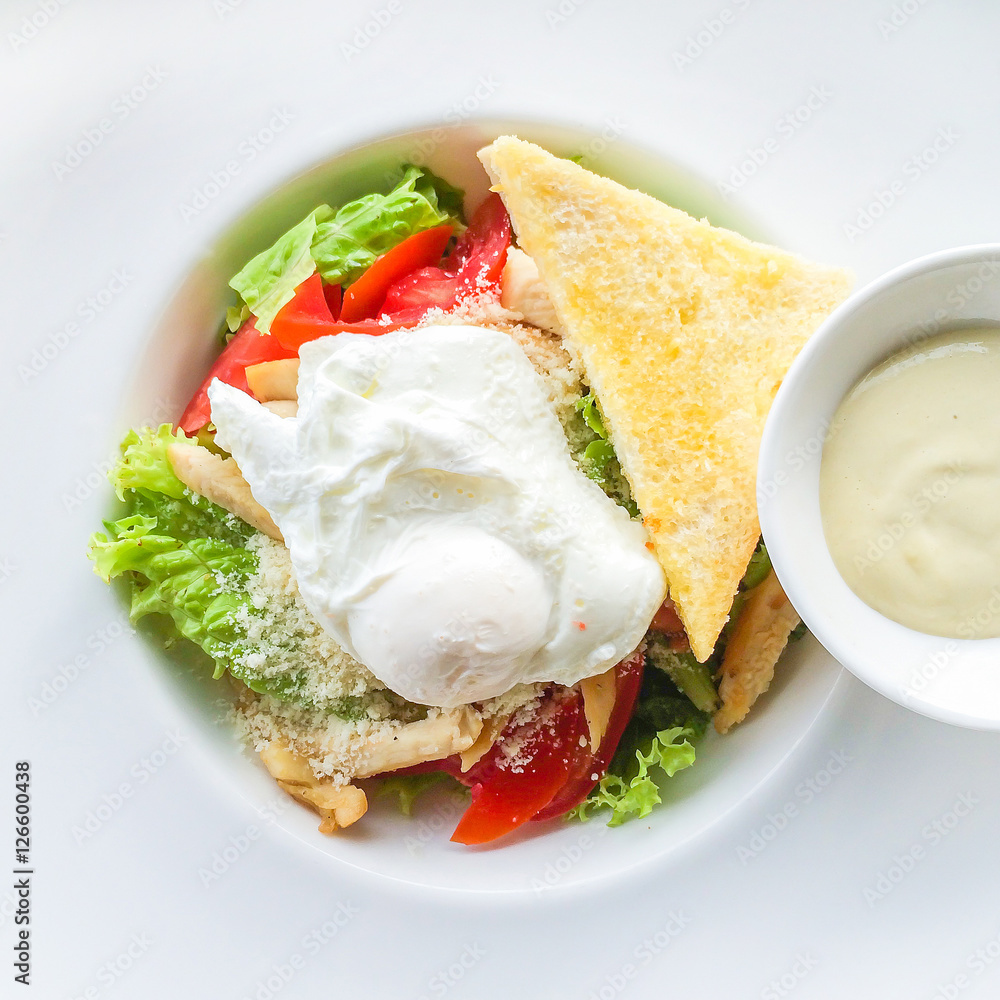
<point>789,915</point>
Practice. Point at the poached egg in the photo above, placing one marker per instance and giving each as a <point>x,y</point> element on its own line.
<point>437,525</point>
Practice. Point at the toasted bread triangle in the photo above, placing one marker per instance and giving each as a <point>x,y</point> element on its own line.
<point>685,332</point>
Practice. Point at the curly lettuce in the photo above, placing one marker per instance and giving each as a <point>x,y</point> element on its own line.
<point>634,795</point>
<point>145,482</point>
<point>182,556</point>
<point>657,743</point>
<point>181,578</point>
<point>343,244</point>
<point>408,788</point>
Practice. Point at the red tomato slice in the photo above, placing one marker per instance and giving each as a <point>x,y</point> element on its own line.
<point>309,315</point>
<point>482,256</point>
<point>304,317</point>
<point>411,297</point>
<point>578,785</point>
<point>473,266</point>
<point>334,296</point>
<point>508,791</point>
<point>247,348</point>
<point>668,622</point>
<point>666,619</point>
<point>365,297</point>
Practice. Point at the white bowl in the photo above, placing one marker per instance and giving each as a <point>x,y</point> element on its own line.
<point>180,346</point>
<point>954,680</point>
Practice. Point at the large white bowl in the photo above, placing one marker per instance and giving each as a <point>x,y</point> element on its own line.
<point>954,680</point>
<point>543,856</point>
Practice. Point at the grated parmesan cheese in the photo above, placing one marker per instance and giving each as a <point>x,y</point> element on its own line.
<point>285,640</point>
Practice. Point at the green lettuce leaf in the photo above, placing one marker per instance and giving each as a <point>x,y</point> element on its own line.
<point>409,787</point>
<point>146,484</point>
<point>635,795</point>
<point>236,316</point>
<point>587,405</point>
<point>629,787</point>
<point>144,464</point>
<point>197,582</point>
<point>342,245</point>
<point>596,455</point>
<point>270,279</point>
<point>191,580</point>
<point>345,246</point>
<point>758,567</point>
<point>182,555</point>
<point>450,200</point>
<point>599,454</point>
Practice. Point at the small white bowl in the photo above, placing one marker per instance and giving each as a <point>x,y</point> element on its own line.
<point>954,680</point>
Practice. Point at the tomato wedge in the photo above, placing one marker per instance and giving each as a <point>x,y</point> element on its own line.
<point>248,347</point>
<point>334,296</point>
<point>578,784</point>
<point>305,316</point>
<point>310,315</point>
<point>410,298</point>
<point>509,790</point>
<point>668,622</point>
<point>365,297</point>
<point>480,257</point>
<point>473,266</point>
<point>555,768</point>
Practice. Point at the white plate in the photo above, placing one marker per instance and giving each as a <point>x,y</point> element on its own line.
<point>179,351</point>
<point>815,850</point>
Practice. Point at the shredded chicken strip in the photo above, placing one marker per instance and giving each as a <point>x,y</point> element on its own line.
<point>220,480</point>
<point>523,291</point>
<point>338,806</point>
<point>442,734</point>
<point>271,380</point>
<point>760,634</point>
<point>598,701</point>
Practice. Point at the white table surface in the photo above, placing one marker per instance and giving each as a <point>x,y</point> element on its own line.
<point>881,880</point>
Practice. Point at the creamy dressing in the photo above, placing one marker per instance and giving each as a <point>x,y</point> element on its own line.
<point>910,486</point>
<point>437,525</point>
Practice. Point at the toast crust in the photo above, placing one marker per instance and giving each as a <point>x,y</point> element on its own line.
<point>684,332</point>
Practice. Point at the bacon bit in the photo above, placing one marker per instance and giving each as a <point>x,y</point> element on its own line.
<point>580,626</point>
